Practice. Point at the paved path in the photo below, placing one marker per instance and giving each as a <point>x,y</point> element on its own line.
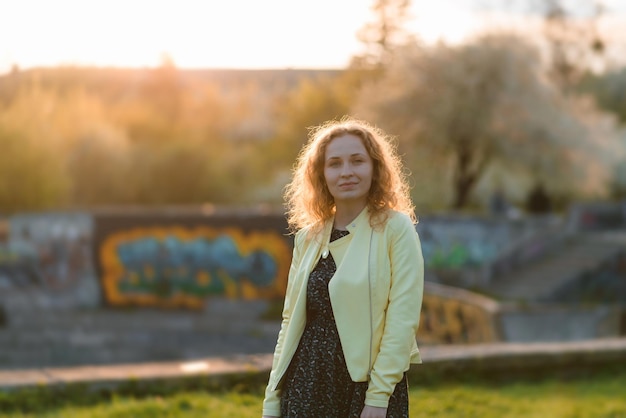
<point>465,357</point>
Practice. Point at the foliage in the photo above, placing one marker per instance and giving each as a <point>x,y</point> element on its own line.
<point>311,102</point>
<point>82,138</point>
<point>31,177</point>
<point>609,91</point>
<point>574,44</point>
<point>466,117</point>
<point>460,110</point>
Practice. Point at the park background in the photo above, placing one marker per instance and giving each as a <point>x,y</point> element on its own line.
<point>145,147</point>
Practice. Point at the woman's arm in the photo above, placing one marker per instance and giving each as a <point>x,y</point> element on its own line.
<point>271,403</point>
<point>403,312</point>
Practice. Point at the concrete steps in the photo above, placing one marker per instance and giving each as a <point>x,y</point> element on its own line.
<point>538,281</point>
<point>72,338</point>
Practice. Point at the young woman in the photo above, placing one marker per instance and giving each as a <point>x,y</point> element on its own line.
<point>355,286</point>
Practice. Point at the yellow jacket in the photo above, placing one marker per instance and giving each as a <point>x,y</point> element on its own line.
<point>377,328</point>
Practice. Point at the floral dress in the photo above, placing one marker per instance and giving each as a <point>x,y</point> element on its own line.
<point>317,383</point>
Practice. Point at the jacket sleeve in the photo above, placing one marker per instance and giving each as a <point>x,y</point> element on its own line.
<point>271,403</point>
<point>403,313</point>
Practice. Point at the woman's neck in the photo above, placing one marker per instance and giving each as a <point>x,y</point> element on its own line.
<point>345,214</point>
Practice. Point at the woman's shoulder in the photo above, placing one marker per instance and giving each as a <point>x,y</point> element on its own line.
<point>401,227</point>
<point>307,233</point>
<point>300,235</point>
<point>398,220</point>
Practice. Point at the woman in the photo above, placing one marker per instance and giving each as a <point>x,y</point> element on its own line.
<point>355,284</point>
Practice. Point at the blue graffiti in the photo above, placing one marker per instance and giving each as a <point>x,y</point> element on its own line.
<point>198,267</point>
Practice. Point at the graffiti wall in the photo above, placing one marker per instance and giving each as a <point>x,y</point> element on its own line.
<point>50,251</point>
<point>457,243</point>
<point>597,216</point>
<point>468,251</point>
<point>183,260</point>
<point>456,316</point>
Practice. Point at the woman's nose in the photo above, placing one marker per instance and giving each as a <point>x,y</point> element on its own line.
<point>346,170</point>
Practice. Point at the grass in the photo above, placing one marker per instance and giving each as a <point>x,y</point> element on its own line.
<point>597,396</point>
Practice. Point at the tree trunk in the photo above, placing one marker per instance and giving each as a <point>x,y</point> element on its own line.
<point>464,178</point>
<point>462,188</point>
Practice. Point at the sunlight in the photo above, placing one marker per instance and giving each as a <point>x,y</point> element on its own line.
<point>234,34</point>
<point>443,21</point>
<point>209,34</point>
<point>238,33</point>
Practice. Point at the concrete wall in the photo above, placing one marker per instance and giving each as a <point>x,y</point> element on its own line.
<point>49,254</point>
<point>468,251</point>
<point>47,338</point>
<point>457,316</point>
<point>149,258</point>
<point>597,216</point>
<point>182,258</point>
<point>605,284</point>
<point>547,323</point>
<point>69,280</point>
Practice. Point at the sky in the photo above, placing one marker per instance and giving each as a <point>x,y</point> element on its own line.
<point>230,33</point>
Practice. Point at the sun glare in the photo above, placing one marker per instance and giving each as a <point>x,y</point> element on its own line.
<point>233,34</point>
<point>207,34</point>
<point>443,21</point>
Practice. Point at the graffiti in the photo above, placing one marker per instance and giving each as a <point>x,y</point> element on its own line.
<point>455,256</point>
<point>453,321</point>
<point>489,245</point>
<point>460,247</point>
<point>181,267</point>
<point>50,251</point>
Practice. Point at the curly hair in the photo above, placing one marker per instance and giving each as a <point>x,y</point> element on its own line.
<point>309,202</point>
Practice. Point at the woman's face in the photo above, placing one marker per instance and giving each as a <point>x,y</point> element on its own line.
<point>348,170</point>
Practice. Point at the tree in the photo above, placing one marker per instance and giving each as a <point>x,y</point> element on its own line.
<point>99,167</point>
<point>609,90</point>
<point>31,176</point>
<point>384,33</point>
<point>459,109</point>
<point>311,102</point>
<point>32,140</point>
<point>573,44</point>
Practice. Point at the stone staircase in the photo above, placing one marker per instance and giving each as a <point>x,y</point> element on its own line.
<point>46,338</point>
<point>541,279</point>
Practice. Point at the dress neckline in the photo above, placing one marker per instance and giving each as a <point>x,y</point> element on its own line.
<point>336,234</point>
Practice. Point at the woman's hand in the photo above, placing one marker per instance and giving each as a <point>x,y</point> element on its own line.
<point>373,412</point>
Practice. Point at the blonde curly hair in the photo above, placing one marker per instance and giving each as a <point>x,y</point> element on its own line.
<point>309,202</point>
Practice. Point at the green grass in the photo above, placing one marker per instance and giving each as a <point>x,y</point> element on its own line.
<point>602,395</point>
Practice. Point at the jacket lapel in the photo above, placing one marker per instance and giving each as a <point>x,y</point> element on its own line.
<point>350,290</point>
<point>309,260</point>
